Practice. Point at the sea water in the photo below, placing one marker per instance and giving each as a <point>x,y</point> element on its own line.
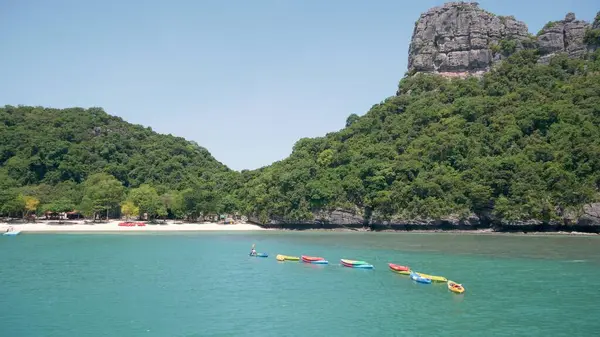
<point>205,284</point>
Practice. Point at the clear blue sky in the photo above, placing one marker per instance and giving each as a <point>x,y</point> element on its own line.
<point>245,79</point>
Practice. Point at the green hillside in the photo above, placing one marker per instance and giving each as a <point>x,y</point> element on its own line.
<point>522,142</point>
<point>48,154</point>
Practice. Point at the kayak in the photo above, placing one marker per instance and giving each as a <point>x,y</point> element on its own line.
<point>420,279</point>
<point>356,264</point>
<point>260,255</point>
<point>319,262</point>
<point>455,287</point>
<point>12,233</point>
<point>287,258</point>
<point>434,278</point>
<point>352,262</point>
<point>313,259</point>
<point>399,269</point>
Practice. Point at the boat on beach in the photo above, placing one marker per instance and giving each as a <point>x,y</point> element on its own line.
<point>404,270</point>
<point>456,288</point>
<point>356,264</point>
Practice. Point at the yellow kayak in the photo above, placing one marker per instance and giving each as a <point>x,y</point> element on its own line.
<point>280,257</point>
<point>403,272</point>
<point>433,278</point>
<point>455,287</point>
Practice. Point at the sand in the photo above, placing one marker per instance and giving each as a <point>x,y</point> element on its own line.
<point>113,226</point>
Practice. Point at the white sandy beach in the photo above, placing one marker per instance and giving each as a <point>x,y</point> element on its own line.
<point>113,226</point>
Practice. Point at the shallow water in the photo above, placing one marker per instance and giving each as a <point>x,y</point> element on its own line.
<point>204,284</point>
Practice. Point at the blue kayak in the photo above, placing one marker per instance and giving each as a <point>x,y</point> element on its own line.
<point>11,233</point>
<point>420,279</point>
<point>260,255</point>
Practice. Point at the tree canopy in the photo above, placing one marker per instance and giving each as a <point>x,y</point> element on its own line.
<point>521,142</point>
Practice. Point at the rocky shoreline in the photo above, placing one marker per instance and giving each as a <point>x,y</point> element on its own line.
<point>344,220</point>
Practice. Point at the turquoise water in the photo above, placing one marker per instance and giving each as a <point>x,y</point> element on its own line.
<point>204,284</point>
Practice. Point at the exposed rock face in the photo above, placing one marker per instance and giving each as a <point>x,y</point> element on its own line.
<point>588,222</point>
<point>457,38</point>
<point>563,36</point>
<point>460,39</point>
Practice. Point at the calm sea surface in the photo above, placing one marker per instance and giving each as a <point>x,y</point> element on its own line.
<point>205,284</point>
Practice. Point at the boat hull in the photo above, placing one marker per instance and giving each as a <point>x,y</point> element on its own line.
<point>11,233</point>
<point>356,264</point>
<point>319,262</point>
<point>399,269</point>
<point>417,278</point>
<point>311,259</point>
<point>455,287</point>
<point>287,258</point>
<point>433,278</point>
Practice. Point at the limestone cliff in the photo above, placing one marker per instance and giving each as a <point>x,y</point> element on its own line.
<point>461,38</point>
<point>562,36</point>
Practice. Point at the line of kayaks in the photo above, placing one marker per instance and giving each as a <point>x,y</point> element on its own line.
<point>396,268</point>
<point>426,278</point>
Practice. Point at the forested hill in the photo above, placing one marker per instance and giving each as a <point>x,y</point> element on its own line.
<point>491,126</point>
<point>522,142</point>
<point>41,145</point>
<point>48,153</point>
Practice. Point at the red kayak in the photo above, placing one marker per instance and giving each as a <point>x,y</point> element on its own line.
<point>399,268</point>
<point>311,258</point>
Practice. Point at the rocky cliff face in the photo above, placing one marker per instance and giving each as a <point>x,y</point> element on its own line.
<point>588,222</point>
<point>562,36</point>
<point>461,38</point>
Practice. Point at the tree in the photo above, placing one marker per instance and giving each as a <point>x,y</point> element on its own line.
<point>147,200</point>
<point>351,119</point>
<point>31,204</point>
<point>102,192</point>
<point>128,208</point>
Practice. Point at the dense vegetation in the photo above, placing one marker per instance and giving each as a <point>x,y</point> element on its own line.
<point>61,160</point>
<point>522,142</point>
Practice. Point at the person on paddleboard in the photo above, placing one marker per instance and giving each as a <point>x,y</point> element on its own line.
<point>252,250</point>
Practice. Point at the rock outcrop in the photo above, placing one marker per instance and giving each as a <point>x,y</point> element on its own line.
<point>587,222</point>
<point>565,36</point>
<point>461,38</point>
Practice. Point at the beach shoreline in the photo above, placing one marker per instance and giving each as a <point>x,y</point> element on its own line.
<point>113,227</point>
<point>442,231</point>
<point>176,226</point>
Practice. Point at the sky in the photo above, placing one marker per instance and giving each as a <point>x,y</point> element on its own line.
<point>244,79</point>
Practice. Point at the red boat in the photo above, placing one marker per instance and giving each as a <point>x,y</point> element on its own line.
<point>311,258</point>
<point>127,224</point>
<point>399,269</point>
